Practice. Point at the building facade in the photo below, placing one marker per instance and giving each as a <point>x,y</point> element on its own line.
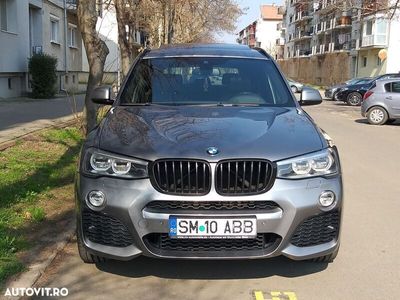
<point>335,42</point>
<point>34,26</point>
<point>264,32</point>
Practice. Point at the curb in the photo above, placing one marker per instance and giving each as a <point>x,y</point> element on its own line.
<point>36,270</point>
<point>12,142</point>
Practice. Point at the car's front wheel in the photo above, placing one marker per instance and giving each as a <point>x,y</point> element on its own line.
<point>377,116</point>
<point>84,254</point>
<point>354,99</point>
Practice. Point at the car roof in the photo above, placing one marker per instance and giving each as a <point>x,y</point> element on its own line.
<point>384,81</point>
<point>205,50</point>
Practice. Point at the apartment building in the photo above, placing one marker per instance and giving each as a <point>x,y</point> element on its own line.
<point>32,26</point>
<point>328,42</point>
<point>264,32</point>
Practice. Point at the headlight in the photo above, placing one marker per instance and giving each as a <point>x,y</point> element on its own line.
<point>97,162</point>
<point>320,163</point>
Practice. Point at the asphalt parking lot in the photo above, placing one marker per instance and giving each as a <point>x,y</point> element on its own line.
<point>367,266</point>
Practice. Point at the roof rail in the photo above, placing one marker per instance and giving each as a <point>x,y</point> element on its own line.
<point>263,52</point>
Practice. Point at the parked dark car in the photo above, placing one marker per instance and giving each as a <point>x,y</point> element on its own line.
<point>331,91</point>
<point>353,94</point>
<point>381,103</point>
<point>191,168</point>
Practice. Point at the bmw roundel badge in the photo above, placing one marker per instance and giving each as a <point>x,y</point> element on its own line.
<point>212,151</point>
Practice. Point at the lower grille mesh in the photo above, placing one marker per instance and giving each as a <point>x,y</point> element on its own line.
<point>162,241</point>
<point>212,205</point>
<point>317,230</point>
<point>105,230</point>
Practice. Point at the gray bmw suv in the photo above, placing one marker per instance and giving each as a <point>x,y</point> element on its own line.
<point>207,154</point>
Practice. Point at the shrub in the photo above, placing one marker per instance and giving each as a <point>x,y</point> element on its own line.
<point>43,68</point>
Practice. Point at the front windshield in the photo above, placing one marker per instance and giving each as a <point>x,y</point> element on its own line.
<point>206,80</point>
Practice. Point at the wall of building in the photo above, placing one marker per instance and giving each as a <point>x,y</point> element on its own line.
<point>393,56</point>
<point>267,34</point>
<point>61,48</point>
<point>322,70</point>
<point>374,66</point>
<point>14,51</point>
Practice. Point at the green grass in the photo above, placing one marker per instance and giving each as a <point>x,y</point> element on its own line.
<point>30,172</point>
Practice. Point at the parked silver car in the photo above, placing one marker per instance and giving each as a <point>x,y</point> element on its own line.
<point>295,86</point>
<point>381,103</point>
<point>200,169</point>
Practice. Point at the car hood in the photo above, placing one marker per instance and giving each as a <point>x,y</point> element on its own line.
<point>154,132</point>
<point>358,86</point>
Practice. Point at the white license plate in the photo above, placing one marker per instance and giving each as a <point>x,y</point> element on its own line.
<point>241,227</point>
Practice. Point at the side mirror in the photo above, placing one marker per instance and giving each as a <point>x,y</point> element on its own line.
<point>310,96</point>
<point>103,95</point>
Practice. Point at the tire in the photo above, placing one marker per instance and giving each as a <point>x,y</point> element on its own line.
<point>377,116</point>
<point>354,99</point>
<point>326,258</point>
<point>294,89</point>
<point>87,257</point>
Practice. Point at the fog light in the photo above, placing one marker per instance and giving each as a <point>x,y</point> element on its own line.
<point>327,198</point>
<point>96,200</point>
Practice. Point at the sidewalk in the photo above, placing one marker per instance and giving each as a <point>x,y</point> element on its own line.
<point>21,116</point>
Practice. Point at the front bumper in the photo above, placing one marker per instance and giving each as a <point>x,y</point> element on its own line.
<point>340,96</point>
<point>127,200</point>
<point>329,94</point>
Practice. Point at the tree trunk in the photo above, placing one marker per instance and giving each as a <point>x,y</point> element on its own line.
<point>128,49</point>
<point>96,51</point>
<point>171,22</point>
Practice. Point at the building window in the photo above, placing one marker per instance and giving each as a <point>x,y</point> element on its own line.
<point>9,83</point>
<point>54,29</point>
<point>66,79</point>
<point>72,35</point>
<point>378,62</point>
<point>3,14</point>
<point>365,61</point>
<point>368,29</point>
<point>8,15</point>
<point>73,79</point>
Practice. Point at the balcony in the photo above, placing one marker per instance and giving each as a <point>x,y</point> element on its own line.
<point>302,16</point>
<point>280,42</point>
<point>302,35</point>
<point>341,47</point>
<point>374,41</point>
<point>281,26</point>
<point>303,52</point>
<point>343,22</point>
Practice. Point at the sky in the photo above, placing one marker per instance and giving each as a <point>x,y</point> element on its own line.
<point>252,13</point>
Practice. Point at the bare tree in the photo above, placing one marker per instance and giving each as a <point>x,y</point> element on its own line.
<point>96,50</point>
<point>129,17</point>
<point>171,21</point>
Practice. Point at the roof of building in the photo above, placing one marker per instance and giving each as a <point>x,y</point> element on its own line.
<point>270,12</point>
<point>209,50</point>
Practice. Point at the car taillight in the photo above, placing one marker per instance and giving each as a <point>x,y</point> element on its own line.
<point>367,94</point>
